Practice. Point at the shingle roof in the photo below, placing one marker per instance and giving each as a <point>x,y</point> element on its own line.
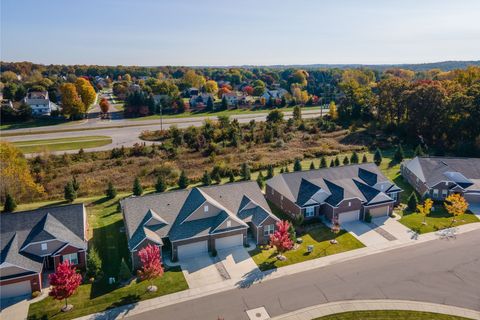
<point>361,181</point>
<point>176,206</point>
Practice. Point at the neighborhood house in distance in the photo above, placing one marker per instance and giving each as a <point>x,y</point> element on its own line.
<point>198,221</point>
<point>34,242</point>
<point>347,193</point>
<point>40,103</point>
<point>437,177</point>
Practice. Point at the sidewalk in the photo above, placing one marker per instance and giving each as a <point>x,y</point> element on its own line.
<point>259,276</point>
<point>361,305</point>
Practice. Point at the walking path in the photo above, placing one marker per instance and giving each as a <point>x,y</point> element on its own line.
<point>361,305</point>
<point>256,276</point>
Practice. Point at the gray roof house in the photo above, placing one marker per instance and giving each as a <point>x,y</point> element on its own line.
<point>346,193</point>
<point>36,241</point>
<point>196,221</point>
<point>40,103</point>
<point>437,177</point>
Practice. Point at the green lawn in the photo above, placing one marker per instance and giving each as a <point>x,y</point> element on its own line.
<point>40,122</point>
<point>319,237</point>
<point>218,113</point>
<point>436,220</point>
<point>62,144</point>
<point>107,228</point>
<point>389,315</point>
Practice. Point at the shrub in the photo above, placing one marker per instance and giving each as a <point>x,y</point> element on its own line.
<point>124,273</point>
<point>377,158</point>
<point>10,204</point>
<point>368,217</point>
<point>94,263</point>
<point>35,294</point>
<point>412,201</point>
<point>297,166</point>
<point>214,253</point>
<point>111,192</point>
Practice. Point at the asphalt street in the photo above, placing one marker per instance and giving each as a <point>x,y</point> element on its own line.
<point>439,271</point>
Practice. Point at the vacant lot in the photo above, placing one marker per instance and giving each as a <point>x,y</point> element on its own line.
<point>62,144</point>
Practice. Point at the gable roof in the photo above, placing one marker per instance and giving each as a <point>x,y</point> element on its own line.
<point>361,181</point>
<point>175,207</point>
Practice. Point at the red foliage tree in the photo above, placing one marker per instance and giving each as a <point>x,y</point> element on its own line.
<point>64,282</point>
<point>280,239</point>
<point>222,91</point>
<point>248,90</point>
<point>104,105</point>
<point>151,263</point>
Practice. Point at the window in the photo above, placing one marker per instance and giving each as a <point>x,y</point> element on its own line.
<point>268,230</point>
<point>394,196</point>
<point>44,246</point>
<point>444,193</point>
<point>281,198</point>
<point>435,193</point>
<point>205,208</point>
<point>229,223</point>
<point>72,257</point>
<point>309,212</point>
<point>349,204</point>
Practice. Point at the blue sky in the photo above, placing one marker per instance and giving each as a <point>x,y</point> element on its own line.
<point>258,32</point>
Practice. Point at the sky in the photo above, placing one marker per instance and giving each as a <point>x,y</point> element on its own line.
<point>247,32</point>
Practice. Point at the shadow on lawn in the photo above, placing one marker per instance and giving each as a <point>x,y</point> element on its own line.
<point>120,308</point>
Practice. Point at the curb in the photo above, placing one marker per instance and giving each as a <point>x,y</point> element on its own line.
<point>365,305</point>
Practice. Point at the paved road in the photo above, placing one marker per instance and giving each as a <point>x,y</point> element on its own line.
<point>127,135</point>
<point>439,271</point>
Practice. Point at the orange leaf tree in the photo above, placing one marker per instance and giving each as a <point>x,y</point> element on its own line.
<point>425,208</point>
<point>280,239</point>
<point>104,105</point>
<point>456,205</point>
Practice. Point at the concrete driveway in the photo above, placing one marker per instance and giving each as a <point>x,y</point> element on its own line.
<point>395,228</point>
<point>368,236</point>
<point>200,271</point>
<point>237,262</point>
<point>15,308</point>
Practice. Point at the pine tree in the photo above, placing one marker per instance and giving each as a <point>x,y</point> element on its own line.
<point>231,176</point>
<point>183,180</point>
<point>270,172</point>
<point>332,163</point>
<point>282,170</point>
<point>161,184</point>
<point>69,192</point>
<point>419,151</point>
<point>399,154</point>
<point>323,162</point>
<point>137,187</point>
<point>75,183</point>
<point>312,166</point>
<point>412,202</point>
<point>10,205</point>
<point>364,158</point>
<point>111,192</point>
<point>346,161</point>
<point>206,179</point>
<point>377,158</point>
<point>217,177</point>
<point>245,171</point>
<point>297,166</point>
<point>337,161</point>
<point>94,263</point>
<point>260,180</point>
<point>354,158</point>
<point>124,273</point>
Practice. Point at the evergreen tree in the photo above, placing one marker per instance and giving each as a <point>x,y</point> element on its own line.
<point>124,273</point>
<point>231,176</point>
<point>419,151</point>
<point>297,113</point>
<point>111,192</point>
<point>183,180</point>
<point>224,103</point>
<point>412,202</point>
<point>161,184</point>
<point>282,170</point>
<point>337,161</point>
<point>75,183</point>
<point>364,158</point>
<point>10,205</point>
<point>260,180</point>
<point>94,263</point>
<point>270,172</point>
<point>354,158</point>
<point>286,169</point>
<point>297,166</point>
<point>246,171</point>
<point>377,158</point>
<point>312,166</point>
<point>137,187</point>
<point>210,104</point>
<point>346,161</point>
<point>399,154</point>
<point>323,162</point>
<point>206,179</point>
<point>216,177</point>
<point>69,192</point>
<point>332,163</point>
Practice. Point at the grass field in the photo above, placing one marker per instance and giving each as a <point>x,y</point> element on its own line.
<point>41,122</point>
<point>62,144</point>
<point>389,315</point>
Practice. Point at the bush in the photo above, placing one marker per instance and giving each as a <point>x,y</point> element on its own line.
<point>35,294</point>
<point>368,217</point>
<point>10,204</point>
<point>412,202</point>
<point>124,273</point>
<point>94,263</point>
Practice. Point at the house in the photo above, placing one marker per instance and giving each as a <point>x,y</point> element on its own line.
<point>200,101</point>
<point>190,92</point>
<point>235,98</point>
<point>188,223</point>
<point>34,242</point>
<point>346,193</point>
<point>437,177</point>
<point>274,94</point>
<point>40,103</point>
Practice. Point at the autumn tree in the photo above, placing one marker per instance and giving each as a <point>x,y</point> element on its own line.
<point>332,111</point>
<point>456,205</point>
<point>64,282</point>
<point>424,209</point>
<point>72,105</point>
<point>104,105</point>
<point>211,86</point>
<point>86,92</point>
<point>192,79</point>
<point>151,265</point>
<point>280,239</point>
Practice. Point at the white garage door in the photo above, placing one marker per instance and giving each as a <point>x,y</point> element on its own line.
<point>379,212</point>
<point>348,216</point>
<point>228,242</point>
<point>15,289</point>
<point>192,249</point>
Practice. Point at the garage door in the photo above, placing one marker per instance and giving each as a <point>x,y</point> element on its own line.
<point>472,198</point>
<point>379,212</point>
<point>192,249</point>
<point>348,216</point>
<point>228,242</point>
<point>15,289</point>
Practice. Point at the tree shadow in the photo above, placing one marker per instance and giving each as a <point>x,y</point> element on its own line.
<point>254,276</point>
<point>119,309</point>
